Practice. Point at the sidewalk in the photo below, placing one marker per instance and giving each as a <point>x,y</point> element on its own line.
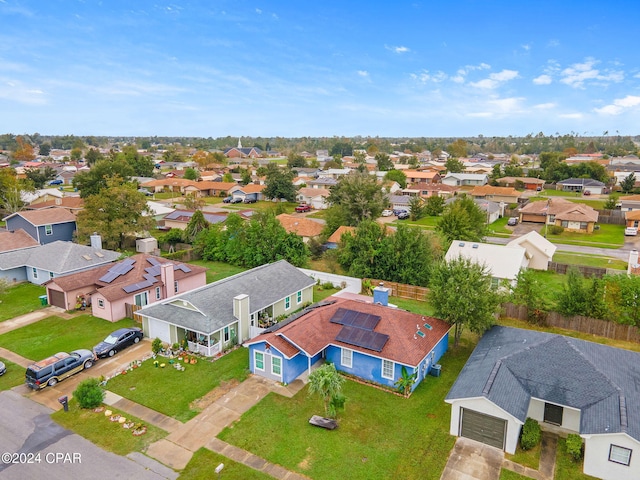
<point>547,465</point>
<point>33,317</point>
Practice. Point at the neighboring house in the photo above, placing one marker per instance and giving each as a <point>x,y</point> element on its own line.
<point>73,204</point>
<point>239,152</point>
<point>209,188</point>
<point>422,176</point>
<point>581,185</point>
<point>334,239</point>
<point>46,226</point>
<point>501,262</point>
<point>170,184</point>
<point>370,341</point>
<point>465,179</point>
<point>41,263</point>
<point>230,310</point>
<point>496,194</point>
<point>426,190</point>
<point>335,173</point>
<point>632,218</point>
<point>16,240</point>
<point>322,182</point>
<point>42,195</point>
<point>138,280</point>
<point>250,191</point>
<point>301,226</point>
<point>576,217</point>
<point>493,210</point>
<point>540,251</point>
<point>629,203</point>
<point>529,183</point>
<point>181,218</point>
<point>158,210</point>
<point>400,202</point>
<point>574,385</point>
<point>316,197</point>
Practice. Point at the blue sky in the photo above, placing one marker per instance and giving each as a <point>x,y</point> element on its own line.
<point>328,68</point>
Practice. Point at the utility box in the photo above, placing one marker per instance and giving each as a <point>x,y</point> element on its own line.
<point>146,245</point>
<point>43,300</point>
<point>435,370</point>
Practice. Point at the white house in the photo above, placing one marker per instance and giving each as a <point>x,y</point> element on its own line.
<point>461,179</point>
<point>574,385</point>
<point>539,250</point>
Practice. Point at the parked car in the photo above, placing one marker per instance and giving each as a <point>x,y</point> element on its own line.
<point>398,211</point>
<point>512,221</point>
<point>250,200</point>
<point>3,368</point>
<point>58,367</point>
<point>117,341</point>
<point>387,213</point>
<point>587,192</point>
<point>403,215</point>
<point>227,199</point>
<point>146,192</point>
<point>631,231</point>
<point>55,182</point>
<point>236,200</point>
<point>303,208</point>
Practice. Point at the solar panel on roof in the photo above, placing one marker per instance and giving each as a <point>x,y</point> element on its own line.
<point>362,338</point>
<point>155,270</point>
<point>153,261</point>
<point>137,286</point>
<point>182,267</point>
<point>109,277</point>
<point>344,316</point>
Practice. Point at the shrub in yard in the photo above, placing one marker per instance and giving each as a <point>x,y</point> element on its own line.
<point>556,229</point>
<point>574,446</point>
<point>156,345</point>
<point>531,434</point>
<point>89,393</point>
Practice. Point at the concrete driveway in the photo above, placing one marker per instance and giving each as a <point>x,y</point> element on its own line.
<point>471,460</point>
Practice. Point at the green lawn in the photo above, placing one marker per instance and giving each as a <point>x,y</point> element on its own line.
<point>171,392</point>
<point>589,260</point>
<point>204,461</point>
<point>318,214</point>
<point>20,299</point>
<point>218,270</point>
<point>608,236</point>
<point>428,223</point>
<point>414,306</point>
<point>499,228</point>
<point>108,435</point>
<point>13,377</point>
<point>528,458</point>
<point>566,468</point>
<point>262,206</point>
<point>54,334</point>
<point>380,435</point>
<point>509,475</point>
<point>320,293</point>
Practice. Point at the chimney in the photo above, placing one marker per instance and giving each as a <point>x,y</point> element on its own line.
<point>167,278</point>
<point>633,261</point>
<point>96,241</point>
<point>381,295</point>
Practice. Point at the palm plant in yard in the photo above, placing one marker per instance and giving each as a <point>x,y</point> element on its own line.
<point>406,381</point>
<point>326,382</point>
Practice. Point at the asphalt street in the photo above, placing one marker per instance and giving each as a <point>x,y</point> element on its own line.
<point>32,446</point>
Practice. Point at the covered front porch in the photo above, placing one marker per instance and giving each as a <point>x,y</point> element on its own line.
<point>209,344</point>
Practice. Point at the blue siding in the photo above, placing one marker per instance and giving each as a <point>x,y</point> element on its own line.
<point>18,274</point>
<point>60,231</point>
<point>291,369</point>
<point>17,222</point>
<point>43,275</point>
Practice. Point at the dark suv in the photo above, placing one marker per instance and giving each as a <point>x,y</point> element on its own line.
<point>58,367</point>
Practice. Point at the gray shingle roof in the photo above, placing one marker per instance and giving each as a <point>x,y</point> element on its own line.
<point>58,257</point>
<point>265,285</point>
<point>510,365</point>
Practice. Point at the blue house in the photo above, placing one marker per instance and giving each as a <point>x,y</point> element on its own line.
<point>45,226</point>
<point>371,341</point>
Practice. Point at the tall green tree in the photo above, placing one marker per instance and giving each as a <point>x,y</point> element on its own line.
<point>294,160</point>
<point>434,205</point>
<point>458,148</point>
<point>40,176</point>
<point>462,220</point>
<point>114,212</point>
<point>197,224</point>
<point>326,382</point>
<point>92,156</point>
<point>384,162</point>
<point>529,292</point>
<point>628,183</point>
<point>191,174</point>
<point>92,182</point>
<point>397,176</point>
<point>44,149</point>
<point>417,208</point>
<point>359,196</point>
<point>279,183</point>
<point>461,294</point>
<point>12,190</point>
<point>453,165</point>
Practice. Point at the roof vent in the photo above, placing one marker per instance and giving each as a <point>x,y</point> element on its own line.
<point>461,244</point>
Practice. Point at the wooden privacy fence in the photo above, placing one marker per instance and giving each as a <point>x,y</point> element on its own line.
<point>131,310</point>
<point>598,272</point>
<point>401,290</point>
<point>578,323</point>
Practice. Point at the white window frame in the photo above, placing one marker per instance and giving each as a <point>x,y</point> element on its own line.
<point>386,366</point>
<point>619,453</point>
<point>50,274</point>
<point>346,358</point>
<point>35,272</point>
<point>287,302</point>
<point>142,295</point>
<point>275,359</point>
<point>158,293</point>
<point>299,297</point>
<point>256,353</point>
<point>100,303</point>
<point>48,229</point>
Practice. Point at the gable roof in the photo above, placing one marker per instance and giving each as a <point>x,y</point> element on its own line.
<point>71,203</point>
<point>314,192</point>
<point>501,261</point>
<point>511,365</point>
<point>535,239</point>
<point>49,216</point>
<point>563,210</point>
<point>16,240</point>
<point>584,182</point>
<point>57,257</point>
<point>265,285</point>
<point>483,190</point>
<point>185,216</point>
<point>144,267</point>
<point>341,230</point>
<point>314,330</point>
<point>302,226</point>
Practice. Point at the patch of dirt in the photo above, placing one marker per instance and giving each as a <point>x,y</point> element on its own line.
<point>431,415</point>
<point>305,463</point>
<point>203,402</point>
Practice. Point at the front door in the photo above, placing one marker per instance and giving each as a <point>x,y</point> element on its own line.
<point>553,413</point>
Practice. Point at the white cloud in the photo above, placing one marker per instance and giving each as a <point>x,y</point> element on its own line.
<point>258,11</point>
<point>17,92</point>
<point>544,106</point>
<point>425,76</point>
<point>363,73</point>
<point>526,47</point>
<point>579,74</point>
<point>574,116</point>
<point>495,79</point>
<point>398,49</point>
<point>457,79</point>
<point>542,80</point>
<point>619,105</point>
<point>553,43</point>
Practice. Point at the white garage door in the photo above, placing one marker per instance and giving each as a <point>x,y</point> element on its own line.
<point>158,329</point>
<point>483,428</point>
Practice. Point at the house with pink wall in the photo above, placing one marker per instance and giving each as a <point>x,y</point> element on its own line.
<point>136,281</point>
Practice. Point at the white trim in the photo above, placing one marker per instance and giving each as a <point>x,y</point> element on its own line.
<point>255,360</point>
<point>48,231</point>
<point>384,360</point>
<point>274,357</point>
<point>628,453</point>
<point>343,360</point>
